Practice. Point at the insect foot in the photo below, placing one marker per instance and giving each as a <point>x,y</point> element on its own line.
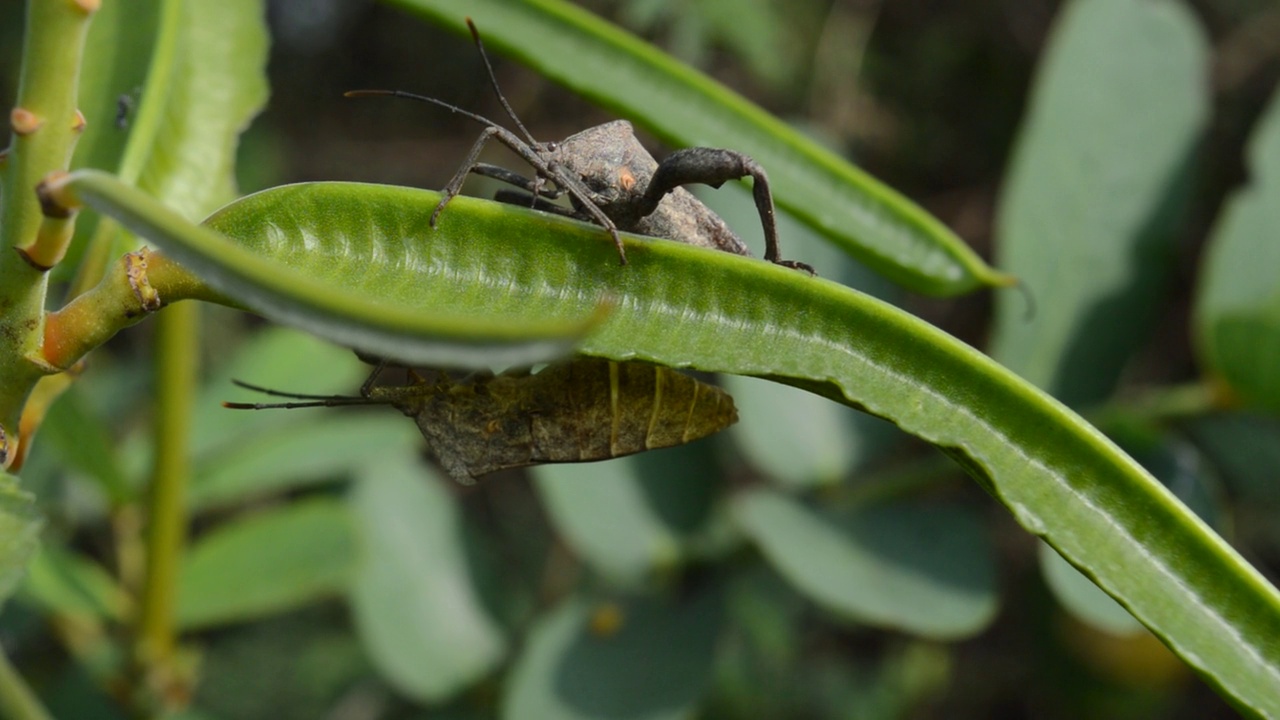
<point>612,180</point>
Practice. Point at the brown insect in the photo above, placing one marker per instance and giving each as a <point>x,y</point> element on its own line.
<point>576,410</point>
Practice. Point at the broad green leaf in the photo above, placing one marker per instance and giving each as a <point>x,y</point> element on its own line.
<point>267,563</point>
<point>331,445</point>
<point>1238,305</point>
<point>415,603</point>
<point>602,511</point>
<point>684,306</point>
<point>331,295</point>
<point>207,79</point>
<point>926,571</point>
<point>64,582</point>
<point>642,658</point>
<point>20,525</point>
<point>684,108</point>
<point>1088,207</point>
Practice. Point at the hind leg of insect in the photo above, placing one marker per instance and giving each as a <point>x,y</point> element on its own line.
<point>715,166</point>
<point>470,165</point>
<point>516,179</point>
<point>524,199</point>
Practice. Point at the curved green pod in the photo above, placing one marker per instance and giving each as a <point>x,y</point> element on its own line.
<point>684,306</point>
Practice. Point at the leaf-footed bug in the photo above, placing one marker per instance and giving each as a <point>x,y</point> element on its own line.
<point>575,410</point>
<point>613,181</point>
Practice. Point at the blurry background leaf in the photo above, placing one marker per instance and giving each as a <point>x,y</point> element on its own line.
<point>65,582</point>
<point>641,658</point>
<point>416,606</point>
<point>1090,200</point>
<point>327,445</point>
<point>1238,307</point>
<point>267,562</point>
<point>19,532</point>
<point>277,358</point>
<point>924,570</point>
<point>83,441</point>
<point>603,514</point>
<point>216,83</point>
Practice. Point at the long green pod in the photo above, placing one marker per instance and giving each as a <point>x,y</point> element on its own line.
<point>684,306</point>
<point>309,284</point>
<point>684,108</point>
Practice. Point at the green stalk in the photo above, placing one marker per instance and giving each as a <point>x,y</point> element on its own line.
<point>177,348</point>
<point>44,124</point>
<point>17,701</point>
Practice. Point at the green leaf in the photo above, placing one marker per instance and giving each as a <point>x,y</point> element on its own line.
<point>684,108</point>
<point>603,514</point>
<point>685,306</point>
<point>796,438</point>
<point>415,602</point>
<point>330,445</point>
<point>267,563</point>
<point>85,443</point>
<point>299,288</point>
<point>66,583</point>
<point>928,571</point>
<point>642,659</point>
<point>1237,315</point>
<point>1089,207</point>
<point>207,79</point>
<point>20,525</point>
<point>117,50</point>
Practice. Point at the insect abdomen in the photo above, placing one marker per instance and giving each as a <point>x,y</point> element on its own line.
<point>607,409</point>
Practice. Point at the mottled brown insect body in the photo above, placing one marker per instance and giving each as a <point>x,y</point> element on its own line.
<point>579,410</point>
<point>618,170</point>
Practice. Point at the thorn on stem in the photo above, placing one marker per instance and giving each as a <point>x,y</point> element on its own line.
<point>24,122</point>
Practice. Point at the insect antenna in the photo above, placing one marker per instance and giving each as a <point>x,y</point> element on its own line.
<point>422,98</point>
<point>493,80</point>
<point>309,401</point>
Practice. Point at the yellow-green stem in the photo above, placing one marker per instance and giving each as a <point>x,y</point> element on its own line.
<point>177,350</point>
<point>45,125</point>
<point>17,701</point>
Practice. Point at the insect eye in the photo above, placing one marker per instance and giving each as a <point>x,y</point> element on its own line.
<point>551,146</point>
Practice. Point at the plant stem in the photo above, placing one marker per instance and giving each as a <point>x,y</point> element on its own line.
<point>45,125</point>
<point>177,345</point>
<point>17,701</point>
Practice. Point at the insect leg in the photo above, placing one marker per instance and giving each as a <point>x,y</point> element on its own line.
<point>714,166</point>
<point>587,204</point>
<point>455,184</point>
<point>515,197</point>
<point>514,178</point>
